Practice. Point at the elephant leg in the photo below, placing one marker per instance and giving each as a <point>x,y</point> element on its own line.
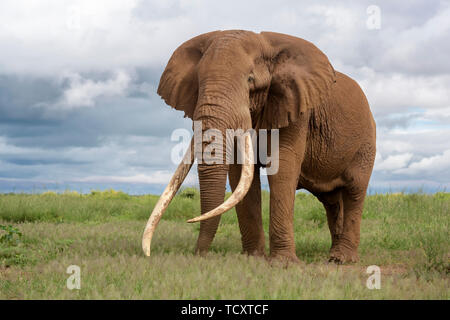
<point>283,184</point>
<point>249,213</point>
<point>334,206</point>
<point>282,197</point>
<point>345,247</point>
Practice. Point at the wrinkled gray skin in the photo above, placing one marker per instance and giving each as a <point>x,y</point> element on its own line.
<point>240,79</point>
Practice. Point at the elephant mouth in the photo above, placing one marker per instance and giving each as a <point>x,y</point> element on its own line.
<point>178,178</point>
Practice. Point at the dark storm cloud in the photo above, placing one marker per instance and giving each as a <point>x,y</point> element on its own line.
<point>44,142</point>
<point>39,161</point>
<point>26,123</point>
<point>18,95</point>
<point>398,120</point>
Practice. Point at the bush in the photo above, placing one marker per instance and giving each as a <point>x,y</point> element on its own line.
<point>109,194</point>
<point>189,193</point>
<point>10,235</point>
<point>444,196</point>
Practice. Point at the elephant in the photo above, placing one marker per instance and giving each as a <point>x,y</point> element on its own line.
<point>327,137</point>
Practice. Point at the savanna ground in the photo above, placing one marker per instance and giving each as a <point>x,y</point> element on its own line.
<point>41,235</point>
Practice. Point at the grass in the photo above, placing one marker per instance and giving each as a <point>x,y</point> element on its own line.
<point>407,235</point>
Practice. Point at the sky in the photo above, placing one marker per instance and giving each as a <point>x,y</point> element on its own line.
<point>78,79</point>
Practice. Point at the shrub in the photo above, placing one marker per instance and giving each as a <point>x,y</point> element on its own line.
<point>109,194</point>
<point>189,192</point>
<point>10,235</point>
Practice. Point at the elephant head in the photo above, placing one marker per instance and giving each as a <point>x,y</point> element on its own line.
<point>237,80</point>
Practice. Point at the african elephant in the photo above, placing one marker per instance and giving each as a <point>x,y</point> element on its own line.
<point>240,79</point>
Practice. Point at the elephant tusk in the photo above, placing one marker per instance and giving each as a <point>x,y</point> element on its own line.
<point>242,188</point>
<point>167,196</point>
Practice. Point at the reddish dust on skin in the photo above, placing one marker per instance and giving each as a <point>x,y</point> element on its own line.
<point>277,81</point>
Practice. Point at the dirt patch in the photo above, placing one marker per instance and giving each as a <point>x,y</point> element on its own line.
<point>8,273</point>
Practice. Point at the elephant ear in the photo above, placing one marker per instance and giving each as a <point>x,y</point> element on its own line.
<point>301,79</point>
<point>178,85</point>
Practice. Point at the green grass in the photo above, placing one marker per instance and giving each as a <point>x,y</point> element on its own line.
<point>407,235</point>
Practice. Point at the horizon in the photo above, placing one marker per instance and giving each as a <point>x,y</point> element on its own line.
<point>138,190</point>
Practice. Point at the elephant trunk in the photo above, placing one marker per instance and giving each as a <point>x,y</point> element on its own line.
<point>220,112</point>
<point>238,194</point>
<point>212,179</point>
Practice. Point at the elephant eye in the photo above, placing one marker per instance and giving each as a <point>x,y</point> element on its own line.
<point>251,78</point>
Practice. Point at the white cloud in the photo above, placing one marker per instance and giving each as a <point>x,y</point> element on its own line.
<point>391,93</point>
<point>441,115</point>
<point>429,165</point>
<point>388,146</point>
<point>54,37</point>
<point>420,48</point>
<point>83,92</point>
<point>421,142</point>
<point>157,177</point>
<point>393,162</point>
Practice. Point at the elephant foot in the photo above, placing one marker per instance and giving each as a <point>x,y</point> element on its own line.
<point>257,252</point>
<point>201,252</point>
<point>283,259</point>
<point>339,256</point>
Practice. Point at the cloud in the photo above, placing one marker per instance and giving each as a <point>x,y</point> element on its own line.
<point>422,142</point>
<point>56,37</point>
<point>439,115</point>
<point>157,177</point>
<point>419,49</point>
<point>394,162</point>
<point>83,92</point>
<point>413,158</point>
<point>78,82</point>
<point>391,93</point>
<point>429,166</point>
<point>30,117</point>
<point>395,146</point>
